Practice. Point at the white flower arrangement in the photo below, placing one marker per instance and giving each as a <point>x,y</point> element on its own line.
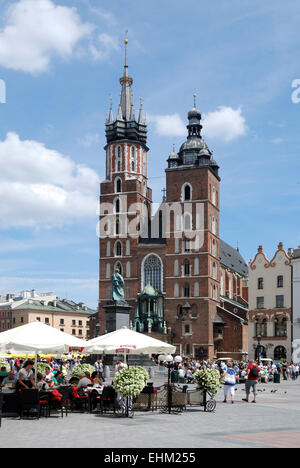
<point>130,382</point>
<point>208,380</point>
<point>41,367</point>
<point>81,369</point>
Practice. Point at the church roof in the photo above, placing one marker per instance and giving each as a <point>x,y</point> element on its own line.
<point>232,259</point>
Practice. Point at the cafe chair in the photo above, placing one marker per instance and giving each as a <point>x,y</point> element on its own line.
<point>79,399</point>
<point>1,405</point>
<point>45,407</point>
<point>30,400</point>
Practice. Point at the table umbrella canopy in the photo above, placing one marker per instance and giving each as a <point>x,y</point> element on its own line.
<point>127,341</point>
<point>37,338</point>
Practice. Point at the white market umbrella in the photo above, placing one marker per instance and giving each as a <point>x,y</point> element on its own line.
<point>37,338</point>
<point>125,341</point>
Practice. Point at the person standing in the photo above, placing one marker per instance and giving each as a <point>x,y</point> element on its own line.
<point>252,382</point>
<point>99,369</point>
<point>230,378</point>
<point>26,377</point>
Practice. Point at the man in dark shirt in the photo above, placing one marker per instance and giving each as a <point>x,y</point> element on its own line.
<point>253,377</point>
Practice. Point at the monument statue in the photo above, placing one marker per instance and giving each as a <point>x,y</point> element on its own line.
<point>118,287</point>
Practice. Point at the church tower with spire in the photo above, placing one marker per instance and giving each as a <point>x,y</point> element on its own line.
<point>192,248</point>
<point>123,192</point>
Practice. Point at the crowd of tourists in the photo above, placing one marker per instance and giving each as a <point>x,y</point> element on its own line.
<point>288,371</point>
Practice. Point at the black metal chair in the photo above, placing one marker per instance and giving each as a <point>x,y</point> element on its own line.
<point>108,400</point>
<point>30,400</point>
<point>1,405</point>
<point>45,405</point>
<point>64,403</point>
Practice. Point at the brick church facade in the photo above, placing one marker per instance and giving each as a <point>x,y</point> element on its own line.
<point>170,260</point>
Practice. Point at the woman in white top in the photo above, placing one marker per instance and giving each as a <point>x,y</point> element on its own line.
<point>26,379</point>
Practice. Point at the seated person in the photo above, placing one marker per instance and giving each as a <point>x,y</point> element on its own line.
<point>41,384</point>
<point>10,381</point>
<point>97,382</point>
<point>84,381</point>
<point>58,379</point>
<point>3,374</point>
<point>88,376</point>
<point>49,376</point>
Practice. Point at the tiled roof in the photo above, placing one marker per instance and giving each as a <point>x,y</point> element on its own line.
<point>232,259</point>
<point>61,306</point>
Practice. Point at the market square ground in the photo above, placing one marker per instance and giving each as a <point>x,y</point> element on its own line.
<point>273,422</point>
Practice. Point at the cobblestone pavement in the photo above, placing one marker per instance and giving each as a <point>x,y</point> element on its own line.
<point>273,422</point>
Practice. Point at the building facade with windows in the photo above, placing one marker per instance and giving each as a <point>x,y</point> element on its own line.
<point>64,315</point>
<point>170,259</point>
<point>296,296</point>
<point>270,305</point>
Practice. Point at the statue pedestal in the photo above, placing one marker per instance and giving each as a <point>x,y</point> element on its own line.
<point>117,315</point>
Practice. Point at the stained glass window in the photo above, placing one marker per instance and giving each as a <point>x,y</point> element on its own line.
<point>153,272</point>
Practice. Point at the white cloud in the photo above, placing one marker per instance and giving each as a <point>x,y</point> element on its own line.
<point>89,140</point>
<point>41,187</point>
<point>225,124</point>
<point>277,141</point>
<point>37,30</point>
<point>103,46</point>
<point>168,125</point>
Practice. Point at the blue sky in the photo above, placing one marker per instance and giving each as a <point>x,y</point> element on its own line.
<point>61,60</point>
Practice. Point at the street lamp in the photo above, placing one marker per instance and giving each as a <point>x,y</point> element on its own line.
<point>258,348</point>
<point>170,363</point>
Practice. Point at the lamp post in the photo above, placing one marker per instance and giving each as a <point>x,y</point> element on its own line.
<point>258,348</point>
<point>170,363</point>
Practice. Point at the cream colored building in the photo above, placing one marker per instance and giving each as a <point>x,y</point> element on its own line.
<point>64,315</point>
<point>270,313</point>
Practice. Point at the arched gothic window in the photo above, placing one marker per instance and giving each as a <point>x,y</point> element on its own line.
<point>133,159</point>
<point>186,192</point>
<point>118,249</point>
<point>118,186</point>
<point>119,159</point>
<point>153,272</point>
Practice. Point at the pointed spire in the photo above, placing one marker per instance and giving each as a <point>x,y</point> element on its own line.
<point>111,116</point>
<point>126,94</point>
<point>120,114</point>
<point>141,121</point>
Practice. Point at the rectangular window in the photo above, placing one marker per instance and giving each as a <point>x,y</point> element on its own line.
<point>62,322</point>
<point>38,319</point>
<point>279,302</point>
<point>260,302</point>
<point>80,323</point>
<point>260,284</point>
<point>80,332</point>
<point>22,319</point>
<point>73,332</point>
<point>47,321</point>
<point>187,329</point>
<point>73,323</point>
<point>279,281</point>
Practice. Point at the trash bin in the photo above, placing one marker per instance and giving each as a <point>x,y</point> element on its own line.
<point>276,378</point>
<point>174,376</point>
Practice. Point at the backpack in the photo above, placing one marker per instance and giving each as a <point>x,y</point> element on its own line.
<point>254,373</point>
